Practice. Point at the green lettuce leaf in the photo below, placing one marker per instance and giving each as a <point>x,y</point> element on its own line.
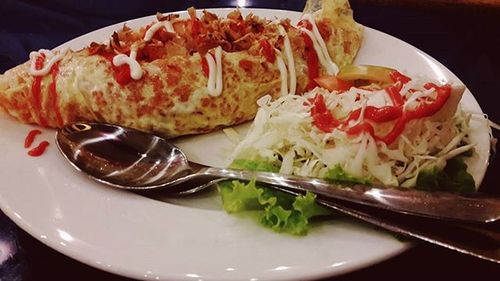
<point>255,165</point>
<point>337,174</point>
<point>279,211</point>
<point>276,210</point>
<point>453,178</point>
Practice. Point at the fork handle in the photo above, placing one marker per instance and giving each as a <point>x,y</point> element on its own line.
<point>478,240</point>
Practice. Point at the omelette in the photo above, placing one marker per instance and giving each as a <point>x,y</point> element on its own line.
<point>180,76</point>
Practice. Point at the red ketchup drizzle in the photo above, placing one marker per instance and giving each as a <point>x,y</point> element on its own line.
<point>31,137</point>
<point>39,150</point>
<point>312,62</point>
<point>36,91</point>
<point>53,96</point>
<point>322,117</point>
<point>204,67</point>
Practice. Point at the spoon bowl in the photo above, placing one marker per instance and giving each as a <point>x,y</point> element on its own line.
<point>122,157</point>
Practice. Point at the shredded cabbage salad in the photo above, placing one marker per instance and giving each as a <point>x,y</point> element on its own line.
<point>283,133</point>
<point>312,135</point>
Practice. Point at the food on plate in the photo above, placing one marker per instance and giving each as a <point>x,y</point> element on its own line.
<point>376,126</point>
<point>179,76</point>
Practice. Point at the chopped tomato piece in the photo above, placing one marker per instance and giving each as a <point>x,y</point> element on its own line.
<point>332,83</point>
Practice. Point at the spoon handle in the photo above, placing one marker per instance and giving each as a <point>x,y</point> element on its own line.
<point>442,205</point>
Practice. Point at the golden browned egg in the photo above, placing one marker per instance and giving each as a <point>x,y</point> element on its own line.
<point>171,97</point>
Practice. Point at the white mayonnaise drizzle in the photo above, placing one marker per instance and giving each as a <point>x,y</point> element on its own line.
<point>330,69</point>
<point>320,46</point>
<point>157,26</point>
<point>135,68</point>
<point>215,85</point>
<point>290,60</point>
<point>283,73</point>
<point>53,58</point>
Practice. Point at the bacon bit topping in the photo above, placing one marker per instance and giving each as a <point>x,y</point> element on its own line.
<point>96,48</point>
<point>208,17</point>
<point>268,51</point>
<point>169,17</point>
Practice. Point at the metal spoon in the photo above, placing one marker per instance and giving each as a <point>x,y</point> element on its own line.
<point>130,159</point>
<point>133,160</point>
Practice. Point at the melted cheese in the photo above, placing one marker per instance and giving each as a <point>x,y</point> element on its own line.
<point>135,68</point>
<point>320,46</point>
<point>290,60</point>
<point>47,66</point>
<point>157,26</point>
<point>215,83</point>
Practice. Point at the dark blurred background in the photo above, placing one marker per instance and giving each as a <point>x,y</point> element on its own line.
<point>464,35</point>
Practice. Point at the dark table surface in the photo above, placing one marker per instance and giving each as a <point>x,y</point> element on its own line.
<point>464,37</point>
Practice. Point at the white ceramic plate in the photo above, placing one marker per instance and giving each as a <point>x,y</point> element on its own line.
<point>188,239</point>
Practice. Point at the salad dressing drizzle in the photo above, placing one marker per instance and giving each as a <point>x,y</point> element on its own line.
<point>320,46</point>
<point>215,82</point>
<point>290,60</point>
<point>135,68</point>
<point>53,58</point>
<point>283,73</point>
